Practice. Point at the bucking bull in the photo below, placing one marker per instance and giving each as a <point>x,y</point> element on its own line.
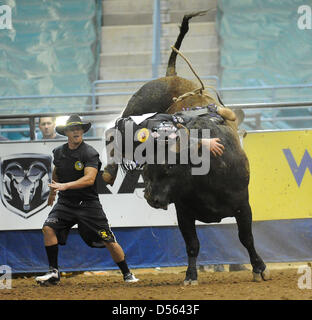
<point>209,197</point>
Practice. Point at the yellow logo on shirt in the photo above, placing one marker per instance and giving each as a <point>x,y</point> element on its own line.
<point>79,165</point>
<point>104,234</point>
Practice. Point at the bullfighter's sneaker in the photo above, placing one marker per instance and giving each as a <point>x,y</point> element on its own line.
<point>129,277</point>
<point>51,277</point>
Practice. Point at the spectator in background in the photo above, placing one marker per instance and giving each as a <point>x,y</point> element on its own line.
<point>47,128</point>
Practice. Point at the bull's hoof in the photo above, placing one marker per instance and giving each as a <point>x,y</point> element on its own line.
<point>190,282</point>
<point>264,275</point>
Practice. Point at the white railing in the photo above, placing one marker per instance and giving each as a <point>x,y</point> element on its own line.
<point>101,119</point>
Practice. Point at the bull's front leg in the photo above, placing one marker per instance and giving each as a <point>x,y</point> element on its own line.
<point>188,230</point>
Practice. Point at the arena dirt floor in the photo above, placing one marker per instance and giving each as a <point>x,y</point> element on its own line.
<point>165,284</point>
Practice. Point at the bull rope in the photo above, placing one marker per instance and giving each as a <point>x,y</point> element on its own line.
<point>196,91</point>
<point>189,64</point>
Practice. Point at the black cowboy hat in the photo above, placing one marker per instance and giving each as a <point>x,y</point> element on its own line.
<point>73,120</point>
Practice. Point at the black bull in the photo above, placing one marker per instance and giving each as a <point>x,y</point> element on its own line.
<point>209,197</point>
<point>223,192</point>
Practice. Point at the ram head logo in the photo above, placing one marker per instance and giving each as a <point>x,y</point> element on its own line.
<point>25,179</point>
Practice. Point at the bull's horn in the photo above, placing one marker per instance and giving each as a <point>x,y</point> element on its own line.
<point>181,126</point>
<point>226,113</point>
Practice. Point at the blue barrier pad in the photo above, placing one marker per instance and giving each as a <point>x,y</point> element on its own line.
<point>147,247</point>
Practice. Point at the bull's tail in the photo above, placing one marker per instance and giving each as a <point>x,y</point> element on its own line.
<point>171,69</point>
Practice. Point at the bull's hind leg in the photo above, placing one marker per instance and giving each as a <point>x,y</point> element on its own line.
<point>244,223</point>
<point>188,230</point>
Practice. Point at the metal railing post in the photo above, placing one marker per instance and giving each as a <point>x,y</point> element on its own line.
<point>156,57</point>
<point>93,96</point>
<point>32,128</point>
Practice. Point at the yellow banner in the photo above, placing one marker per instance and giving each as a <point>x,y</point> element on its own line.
<point>280,174</point>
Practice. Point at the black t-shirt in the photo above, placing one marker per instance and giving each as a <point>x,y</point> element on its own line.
<point>70,166</point>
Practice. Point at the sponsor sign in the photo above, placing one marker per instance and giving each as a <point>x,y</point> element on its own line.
<point>24,182</point>
<point>24,191</point>
<point>280,174</point>
<point>280,183</point>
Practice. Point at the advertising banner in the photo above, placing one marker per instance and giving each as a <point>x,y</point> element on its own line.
<point>280,174</point>
<point>280,183</point>
<point>25,169</point>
